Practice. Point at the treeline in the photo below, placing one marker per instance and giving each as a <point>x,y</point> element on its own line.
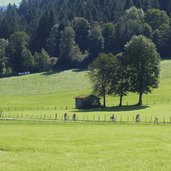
<point>48,34</point>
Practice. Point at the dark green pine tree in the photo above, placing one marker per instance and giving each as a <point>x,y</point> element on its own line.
<point>45,25</point>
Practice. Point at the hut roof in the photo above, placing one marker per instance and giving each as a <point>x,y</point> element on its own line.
<point>86,96</point>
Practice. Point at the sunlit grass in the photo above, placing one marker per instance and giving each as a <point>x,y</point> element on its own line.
<point>34,146</point>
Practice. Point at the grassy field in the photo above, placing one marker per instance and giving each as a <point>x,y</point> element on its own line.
<point>36,146</point>
<point>56,92</point>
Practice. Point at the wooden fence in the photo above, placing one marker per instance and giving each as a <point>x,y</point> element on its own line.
<point>86,118</point>
<point>70,107</point>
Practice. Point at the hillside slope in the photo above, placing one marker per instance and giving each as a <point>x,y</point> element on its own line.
<point>59,89</point>
<point>44,83</point>
<point>71,80</point>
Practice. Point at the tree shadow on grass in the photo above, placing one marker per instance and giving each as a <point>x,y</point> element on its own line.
<point>79,70</point>
<point>114,109</point>
<point>62,70</point>
<point>51,73</point>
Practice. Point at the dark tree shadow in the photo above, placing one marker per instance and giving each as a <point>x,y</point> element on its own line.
<point>51,73</point>
<point>79,70</point>
<point>114,109</point>
<point>62,70</point>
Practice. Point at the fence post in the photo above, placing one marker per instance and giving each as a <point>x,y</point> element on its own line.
<point>56,116</point>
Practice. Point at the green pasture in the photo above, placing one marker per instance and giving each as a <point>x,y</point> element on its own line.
<point>51,93</point>
<point>44,146</point>
<point>38,142</point>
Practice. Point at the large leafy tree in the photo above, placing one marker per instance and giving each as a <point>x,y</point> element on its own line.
<point>160,24</point>
<point>17,43</point>
<point>156,18</point>
<point>99,72</point>
<point>143,60</point>
<point>119,78</point>
<point>28,60</point>
<point>130,24</point>
<point>42,61</point>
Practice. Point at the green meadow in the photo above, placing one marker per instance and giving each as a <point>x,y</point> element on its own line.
<point>50,145</point>
<point>51,93</point>
<point>43,146</point>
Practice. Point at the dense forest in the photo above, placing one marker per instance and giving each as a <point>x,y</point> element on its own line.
<point>41,35</point>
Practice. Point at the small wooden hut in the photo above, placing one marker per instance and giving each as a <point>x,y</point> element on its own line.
<point>87,102</point>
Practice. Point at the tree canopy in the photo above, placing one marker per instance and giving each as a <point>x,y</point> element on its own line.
<point>76,32</point>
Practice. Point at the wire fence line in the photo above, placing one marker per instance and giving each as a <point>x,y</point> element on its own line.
<point>86,118</point>
<point>35,108</point>
<point>70,107</point>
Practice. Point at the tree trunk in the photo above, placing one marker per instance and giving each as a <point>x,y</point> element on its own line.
<point>120,104</point>
<point>104,100</point>
<point>140,99</point>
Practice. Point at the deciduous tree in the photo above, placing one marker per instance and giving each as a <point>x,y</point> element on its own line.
<point>143,60</point>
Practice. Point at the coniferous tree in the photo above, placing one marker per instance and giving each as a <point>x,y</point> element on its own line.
<point>95,42</point>
<point>43,31</point>
<point>81,27</point>
<point>108,32</point>
<point>54,41</point>
<point>70,51</point>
